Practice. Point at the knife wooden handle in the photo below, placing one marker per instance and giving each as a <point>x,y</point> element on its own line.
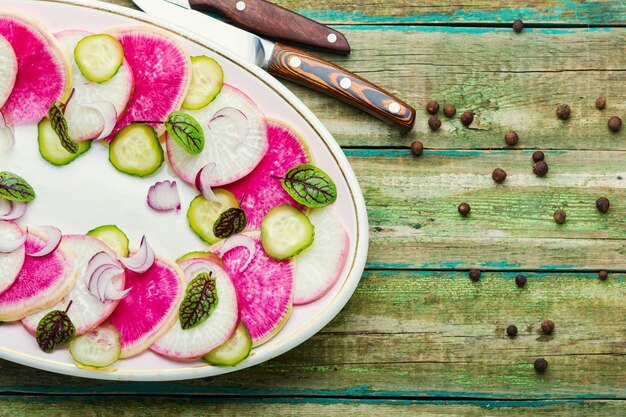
<point>272,21</point>
<point>321,75</point>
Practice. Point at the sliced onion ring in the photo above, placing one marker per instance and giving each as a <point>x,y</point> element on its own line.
<point>196,268</point>
<point>95,277</point>
<point>237,241</point>
<point>203,181</point>
<point>8,245</point>
<point>100,259</point>
<point>54,239</point>
<point>113,294</point>
<point>163,196</point>
<point>7,135</point>
<point>142,260</point>
<point>239,119</point>
<point>109,116</point>
<point>11,210</point>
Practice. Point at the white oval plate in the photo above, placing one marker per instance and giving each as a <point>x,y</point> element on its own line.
<point>90,192</point>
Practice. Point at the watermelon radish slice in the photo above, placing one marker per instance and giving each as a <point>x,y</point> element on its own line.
<point>42,282</point>
<point>264,289</point>
<point>44,72</point>
<point>87,311</point>
<point>198,341</point>
<point>151,308</point>
<point>10,263</point>
<point>86,122</point>
<point>162,74</point>
<point>235,150</point>
<point>319,267</point>
<point>8,70</point>
<point>261,191</point>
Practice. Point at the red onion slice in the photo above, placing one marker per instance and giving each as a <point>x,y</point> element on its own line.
<point>109,116</point>
<point>238,241</point>
<point>163,196</point>
<point>203,181</point>
<point>102,278</point>
<point>196,268</point>
<point>113,294</point>
<point>237,117</point>
<point>7,135</point>
<point>142,260</point>
<point>54,240</point>
<point>11,210</point>
<point>11,245</point>
<point>95,267</point>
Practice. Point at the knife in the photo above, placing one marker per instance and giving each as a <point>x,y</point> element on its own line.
<point>287,62</point>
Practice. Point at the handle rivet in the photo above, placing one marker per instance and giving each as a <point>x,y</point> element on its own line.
<point>332,38</point>
<point>295,62</point>
<point>394,108</point>
<point>345,83</point>
<point>241,6</point>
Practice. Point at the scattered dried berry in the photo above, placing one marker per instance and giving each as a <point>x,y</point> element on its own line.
<point>601,103</point>
<point>417,148</point>
<point>520,280</point>
<point>432,107</point>
<point>540,168</point>
<point>559,216</point>
<point>541,365</point>
<point>474,274</point>
<point>518,26</point>
<point>511,138</point>
<point>464,209</point>
<point>547,326</point>
<point>563,112</point>
<point>603,275</point>
<point>434,122</point>
<point>538,156</point>
<point>449,110</point>
<point>498,175</point>
<point>511,330</point>
<point>603,204</point>
<point>615,124</point>
<point>467,118</point>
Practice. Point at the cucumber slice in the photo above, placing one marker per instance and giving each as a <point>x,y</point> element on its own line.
<point>98,348</point>
<point>206,82</point>
<point>99,57</point>
<point>50,146</point>
<point>113,237</point>
<point>203,214</point>
<point>136,150</point>
<point>285,232</point>
<point>233,351</point>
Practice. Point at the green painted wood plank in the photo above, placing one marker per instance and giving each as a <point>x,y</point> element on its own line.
<point>434,334</point>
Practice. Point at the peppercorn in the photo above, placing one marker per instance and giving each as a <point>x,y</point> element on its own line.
<point>518,25</point>
<point>559,216</point>
<point>511,330</point>
<point>603,204</point>
<point>601,103</point>
<point>615,124</point>
<point>498,175</point>
<point>541,365</point>
<point>474,274</point>
<point>467,118</point>
<point>603,275</point>
<point>547,326</point>
<point>563,112</point>
<point>464,209</point>
<point>417,148</point>
<point>540,168</point>
<point>520,280</point>
<point>432,107</point>
<point>434,122</point>
<point>449,110</point>
<point>538,156</point>
<point>511,138</point>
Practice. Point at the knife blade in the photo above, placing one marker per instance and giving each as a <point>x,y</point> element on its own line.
<point>287,62</point>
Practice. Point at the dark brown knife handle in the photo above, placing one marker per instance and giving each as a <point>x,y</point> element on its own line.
<point>272,21</point>
<point>321,75</point>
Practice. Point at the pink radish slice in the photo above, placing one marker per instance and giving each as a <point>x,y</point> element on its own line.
<point>41,283</point>
<point>150,309</point>
<point>8,70</point>
<point>94,106</point>
<point>264,290</point>
<point>193,343</point>
<point>10,263</point>
<point>87,311</point>
<point>162,71</point>
<point>43,70</point>
<point>319,267</point>
<point>258,192</point>
<point>235,156</point>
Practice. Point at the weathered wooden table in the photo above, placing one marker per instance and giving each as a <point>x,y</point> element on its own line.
<point>418,337</point>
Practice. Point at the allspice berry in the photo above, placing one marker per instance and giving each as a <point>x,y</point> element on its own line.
<point>467,118</point>
<point>498,175</point>
<point>511,330</point>
<point>432,107</point>
<point>474,274</point>
<point>511,138</point>
<point>520,280</point>
<point>464,209</point>
<point>563,112</point>
<point>540,168</point>
<point>417,148</point>
<point>547,326</point>
<point>615,124</point>
<point>601,103</point>
<point>538,156</point>
<point>518,25</point>
<point>560,216</point>
<point>434,123</point>
<point>603,275</point>
<point>449,110</point>
<point>541,365</point>
<point>603,204</point>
